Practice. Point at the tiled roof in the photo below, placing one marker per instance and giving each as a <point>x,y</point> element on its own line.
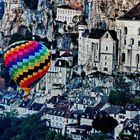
<point>56,99</point>
<point>133,14</point>
<point>113,109</point>
<point>131,107</point>
<point>45,110</point>
<point>71,6</point>
<point>74,114</point>
<point>90,112</point>
<point>36,106</point>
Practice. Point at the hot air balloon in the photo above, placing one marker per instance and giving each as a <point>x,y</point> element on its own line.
<point>1,8</point>
<point>27,62</point>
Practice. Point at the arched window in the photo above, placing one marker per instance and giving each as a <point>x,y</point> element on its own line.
<point>137,58</point>
<point>132,41</point>
<point>125,42</point>
<point>105,69</point>
<point>125,30</point>
<point>123,57</point>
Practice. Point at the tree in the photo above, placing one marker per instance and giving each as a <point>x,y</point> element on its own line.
<point>59,136</point>
<point>50,135</point>
<point>124,136</point>
<point>98,136</point>
<point>104,123</point>
<point>118,97</point>
<point>135,100</point>
<point>30,128</point>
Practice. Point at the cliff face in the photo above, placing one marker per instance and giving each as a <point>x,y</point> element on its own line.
<point>113,8</point>
<point>36,15</point>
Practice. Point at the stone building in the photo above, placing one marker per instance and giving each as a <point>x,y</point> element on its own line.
<point>97,50</point>
<point>67,12</point>
<point>128,29</point>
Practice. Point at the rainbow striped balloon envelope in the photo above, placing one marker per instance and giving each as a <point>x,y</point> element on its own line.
<point>27,62</point>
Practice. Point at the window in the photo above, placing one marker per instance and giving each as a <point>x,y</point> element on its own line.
<point>138,43</point>
<point>138,31</point>
<point>125,42</point>
<point>105,57</point>
<point>125,30</point>
<point>106,48</point>
<point>105,69</point>
<point>56,124</point>
<point>106,36</point>
<point>137,58</point>
<point>92,47</point>
<point>121,117</point>
<point>94,68</point>
<point>59,63</point>
<point>60,119</point>
<point>105,63</point>
<point>97,45</point>
<point>67,121</point>
<point>123,57</point>
<point>132,41</point>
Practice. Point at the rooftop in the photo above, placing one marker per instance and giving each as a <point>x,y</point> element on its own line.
<point>36,106</point>
<point>98,33</point>
<point>133,14</point>
<point>113,110</point>
<point>56,99</point>
<point>71,6</point>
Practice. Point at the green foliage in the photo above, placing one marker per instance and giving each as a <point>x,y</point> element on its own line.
<point>30,128</point>
<point>104,123</point>
<point>123,136</point>
<point>98,136</point>
<point>118,97</point>
<point>50,135</point>
<point>121,83</point>
<point>11,114</point>
<point>135,100</point>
